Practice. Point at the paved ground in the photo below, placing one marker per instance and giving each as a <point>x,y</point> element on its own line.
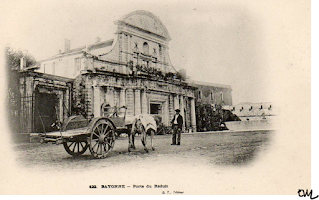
<point>213,148</point>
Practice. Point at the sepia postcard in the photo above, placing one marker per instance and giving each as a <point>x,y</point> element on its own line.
<point>156,97</point>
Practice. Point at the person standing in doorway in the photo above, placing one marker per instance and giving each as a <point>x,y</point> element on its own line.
<point>177,124</point>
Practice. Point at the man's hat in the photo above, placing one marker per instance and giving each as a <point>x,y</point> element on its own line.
<point>177,110</point>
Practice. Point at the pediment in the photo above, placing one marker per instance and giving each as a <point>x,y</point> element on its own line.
<point>147,21</point>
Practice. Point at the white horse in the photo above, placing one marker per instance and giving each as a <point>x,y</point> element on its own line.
<point>143,124</point>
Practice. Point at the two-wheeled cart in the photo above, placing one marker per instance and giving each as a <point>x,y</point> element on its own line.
<point>77,134</point>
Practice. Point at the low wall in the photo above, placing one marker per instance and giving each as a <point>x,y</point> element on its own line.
<point>263,124</point>
<point>246,118</point>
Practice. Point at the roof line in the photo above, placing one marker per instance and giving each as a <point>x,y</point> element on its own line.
<point>210,84</point>
<point>76,50</point>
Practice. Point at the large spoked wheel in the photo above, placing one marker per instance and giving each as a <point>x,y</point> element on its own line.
<point>102,138</point>
<point>75,147</point>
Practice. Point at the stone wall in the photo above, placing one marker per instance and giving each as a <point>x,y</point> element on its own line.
<point>264,124</point>
<point>32,83</point>
<point>139,92</point>
<point>209,94</point>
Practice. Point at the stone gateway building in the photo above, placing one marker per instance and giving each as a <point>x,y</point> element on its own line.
<point>132,70</point>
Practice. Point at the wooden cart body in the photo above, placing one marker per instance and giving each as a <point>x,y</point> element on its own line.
<point>78,134</point>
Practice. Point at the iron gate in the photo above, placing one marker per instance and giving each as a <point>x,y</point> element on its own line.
<point>26,114</point>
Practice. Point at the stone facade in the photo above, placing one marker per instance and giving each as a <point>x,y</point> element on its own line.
<point>213,94</point>
<point>133,70</point>
<point>138,94</point>
<point>44,100</point>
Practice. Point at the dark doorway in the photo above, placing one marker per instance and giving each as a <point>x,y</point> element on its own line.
<point>45,112</point>
<point>155,108</point>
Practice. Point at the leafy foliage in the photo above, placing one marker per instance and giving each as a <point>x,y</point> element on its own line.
<point>13,58</point>
<point>13,94</point>
<point>211,119</point>
<point>152,71</point>
<point>79,93</point>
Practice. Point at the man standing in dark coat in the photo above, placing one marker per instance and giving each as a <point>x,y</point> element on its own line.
<point>177,125</point>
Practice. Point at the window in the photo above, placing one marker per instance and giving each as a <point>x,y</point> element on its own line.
<point>145,48</point>
<point>77,67</point>
<point>155,108</point>
<point>160,49</point>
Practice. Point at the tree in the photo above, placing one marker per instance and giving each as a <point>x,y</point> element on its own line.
<point>12,66</point>
<point>13,58</point>
<point>13,94</point>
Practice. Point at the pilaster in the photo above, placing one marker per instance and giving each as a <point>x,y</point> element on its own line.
<point>144,102</point>
<point>130,101</point>
<point>193,114</point>
<point>181,107</point>
<point>122,97</point>
<point>170,106</point>
<point>137,101</point>
<point>176,102</point>
<point>97,101</point>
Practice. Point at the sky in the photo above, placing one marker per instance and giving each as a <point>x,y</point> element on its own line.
<point>257,47</point>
